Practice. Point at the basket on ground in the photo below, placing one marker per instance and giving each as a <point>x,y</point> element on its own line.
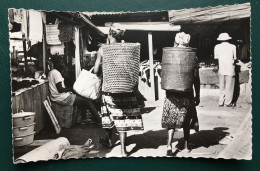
<point>120,67</point>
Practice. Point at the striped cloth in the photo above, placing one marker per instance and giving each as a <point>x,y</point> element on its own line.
<point>52,34</point>
<point>122,111</point>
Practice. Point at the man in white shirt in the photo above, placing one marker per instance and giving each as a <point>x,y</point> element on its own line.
<point>225,52</point>
<point>64,96</point>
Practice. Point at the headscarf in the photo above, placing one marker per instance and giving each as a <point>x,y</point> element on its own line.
<point>117,29</point>
<point>182,39</point>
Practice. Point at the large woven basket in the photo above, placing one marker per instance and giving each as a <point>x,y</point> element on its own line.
<point>178,66</point>
<point>120,67</point>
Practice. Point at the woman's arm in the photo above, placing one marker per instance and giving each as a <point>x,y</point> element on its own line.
<point>61,89</point>
<point>197,86</point>
<point>98,61</point>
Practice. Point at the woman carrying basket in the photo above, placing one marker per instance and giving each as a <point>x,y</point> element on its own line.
<point>118,109</point>
<point>179,109</point>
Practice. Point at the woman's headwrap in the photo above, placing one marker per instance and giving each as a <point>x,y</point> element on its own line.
<point>117,29</point>
<point>182,40</point>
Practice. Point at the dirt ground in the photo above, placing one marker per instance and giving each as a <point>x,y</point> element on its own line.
<point>216,123</point>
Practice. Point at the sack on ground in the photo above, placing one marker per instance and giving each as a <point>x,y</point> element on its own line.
<point>88,85</point>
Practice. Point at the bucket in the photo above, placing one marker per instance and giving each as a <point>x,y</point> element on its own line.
<point>23,140</point>
<point>23,119</point>
<point>23,130</point>
<point>178,65</point>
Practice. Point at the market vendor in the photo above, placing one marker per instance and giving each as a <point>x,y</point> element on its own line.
<point>243,51</point>
<point>243,55</point>
<point>64,96</point>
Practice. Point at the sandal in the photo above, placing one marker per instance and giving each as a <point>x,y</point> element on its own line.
<point>105,143</point>
<point>186,150</point>
<point>89,144</point>
<point>124,155</point>
<point>230,105</point>
<point>196,127</point>
<point>169,152</point>
<point>228,139</point>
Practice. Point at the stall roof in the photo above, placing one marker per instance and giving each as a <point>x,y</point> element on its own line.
<point>210,14</point>
<point>128,13</point>
<point>102,17</point>
<point>79,19</point>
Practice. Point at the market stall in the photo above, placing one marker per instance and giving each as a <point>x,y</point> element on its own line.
<point>43,35</point>
<point>29,99</point>
<point>204,25</point>
<point>156,30</point>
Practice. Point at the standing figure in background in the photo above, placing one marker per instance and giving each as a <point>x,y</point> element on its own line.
<point>243,51</point>
<point>225,52</point>
<point>118,109</point>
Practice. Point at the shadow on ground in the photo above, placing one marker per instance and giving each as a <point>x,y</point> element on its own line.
<point>154,139</point>
<point>204,138</point>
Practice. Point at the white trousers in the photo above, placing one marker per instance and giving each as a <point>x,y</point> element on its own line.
<point>226,85</point>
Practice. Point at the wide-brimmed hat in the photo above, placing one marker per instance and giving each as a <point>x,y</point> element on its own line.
<point>223,37</point>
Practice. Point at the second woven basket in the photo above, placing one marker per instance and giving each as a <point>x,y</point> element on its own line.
<point>178,66</point>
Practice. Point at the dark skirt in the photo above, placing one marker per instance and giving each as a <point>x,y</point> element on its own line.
<point>122,111</point>
<point>179,110</point>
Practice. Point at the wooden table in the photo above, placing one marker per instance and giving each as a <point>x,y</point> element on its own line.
<point>31,100</point>
<point>208,77</point>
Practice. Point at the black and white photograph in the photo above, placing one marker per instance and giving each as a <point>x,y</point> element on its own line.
<point>166,83</point>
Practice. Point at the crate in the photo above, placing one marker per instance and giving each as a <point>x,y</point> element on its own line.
<point>66,115</point>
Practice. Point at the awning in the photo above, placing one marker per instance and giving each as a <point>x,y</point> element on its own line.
<point>78,18</point>
<point>143,26</point>
<point>210,14</point>
<point>90,24</point>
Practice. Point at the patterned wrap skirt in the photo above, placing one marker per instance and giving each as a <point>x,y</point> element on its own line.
<point>179,110</point>
<point>121,110</point>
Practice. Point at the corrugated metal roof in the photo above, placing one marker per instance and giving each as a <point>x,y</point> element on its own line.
<point>79,19</point>
<point>210,14</point>
<point>99,18</point>
<point>90,14</point>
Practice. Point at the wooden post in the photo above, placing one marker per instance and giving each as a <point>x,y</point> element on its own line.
<point>25,52</point>
<point>13,54</point>
<point>81,47</point>
<point>44,48</point>
<point>150,45</point>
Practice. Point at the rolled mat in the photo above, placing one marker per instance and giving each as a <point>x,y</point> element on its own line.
<point>45,152</point>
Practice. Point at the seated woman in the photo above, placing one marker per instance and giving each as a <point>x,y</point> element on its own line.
<point>64,96</point>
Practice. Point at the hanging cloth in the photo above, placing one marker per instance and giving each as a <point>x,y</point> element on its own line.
<point>77,52</point>
<point>44,55</point>
<point>52,34</point>
<point>35,26</point>
<point>24,22</point>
